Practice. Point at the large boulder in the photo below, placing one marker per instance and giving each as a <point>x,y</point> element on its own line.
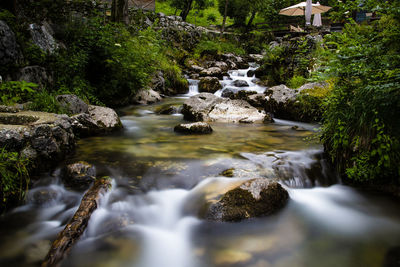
<point>301,104</point>
<point>212,72</point>
<point>44,138</point>
<point>72,104</point>
<point>194,128</point>
<point>209,85</point>
<point>253,198</point>
<point>146,97</point>
<point>42,36</point>
<point>10,52</point>
<point>98,120</point>
<point>208,107</point>
<point>79,175</point>
<point>35,74</point>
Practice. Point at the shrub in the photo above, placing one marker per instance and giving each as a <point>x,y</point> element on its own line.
<point>13,92</point>
<point>14,177</point>
<point>216,47</point>
<point>361,124</point>
<point>296,81</point>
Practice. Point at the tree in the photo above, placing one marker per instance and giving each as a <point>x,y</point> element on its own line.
<point>187,5</point>
<point>225,14</point>
<point>119,11</point>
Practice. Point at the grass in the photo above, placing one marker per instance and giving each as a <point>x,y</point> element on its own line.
<point>202,18</point>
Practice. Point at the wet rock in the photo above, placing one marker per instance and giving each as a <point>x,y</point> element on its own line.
<point>256,57</point>
<point>212,72</point>
<point>146,97</point>
<point>158,82</point>
<point>168,110</point>
<point>253,198</point>
<point>257,100</point>
<point>72,104</point>
<point>42,36</point>
<point>194,128</point>
<point>209,85</point>
<point>79,175</point>
<point>251,73</point>
<point>208,107</point>
<point>229,93</point>
<point>228,172</point>
<point>10,52</point>
<point>35,74</point>
<point>240,83</point>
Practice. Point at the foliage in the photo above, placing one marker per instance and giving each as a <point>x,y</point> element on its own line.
<point>213,47</point>
<point>296,81</point>
<point>13,92</point>
<point>361,124</point>
<point>46,102</point>
<point>14,176</point>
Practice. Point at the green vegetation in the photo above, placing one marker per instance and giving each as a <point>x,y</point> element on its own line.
<point>361,123</point>
<point>216,47</point>
<point>14,177</point>
<point>13,92</point>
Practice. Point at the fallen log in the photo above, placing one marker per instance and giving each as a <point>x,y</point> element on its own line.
<point>77,225</point>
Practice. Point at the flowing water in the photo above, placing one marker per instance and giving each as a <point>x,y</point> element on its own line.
<point>161,181</point>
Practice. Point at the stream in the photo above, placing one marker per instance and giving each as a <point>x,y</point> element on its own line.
<point>160,182</point>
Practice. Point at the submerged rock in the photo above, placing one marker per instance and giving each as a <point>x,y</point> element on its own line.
<point>253,198</point>
<point>167,110</point>
<point>209,85</point>
<point>240,83</point>
<point>208,107</point>
<point>79,175</point>
<point>194,128</point>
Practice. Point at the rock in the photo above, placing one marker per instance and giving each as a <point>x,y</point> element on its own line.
<point>158,82</point>
<point>228,172</point>
<point>209,85</point>
<point>212,72</point>
<point>312,86</point>
<point>253,198</point>
<point>229,93</point>
<point>72,104</point>
<point>256,100</point>
<point>43,38</point>
<point>208,107</point>
<point>35,74</point>
<point>146,97</point>
<point>194,128</point>
<point>251,73</point>
<point>240,83</point>
<point>196,68</point>
<point>167,110</point>
<point>8,109</point>
<point>42,137</point>
<point>10,52</point>
<point>222,65</point>
<point>256,57</point>
<point>98,120</point>
<point>79,175</point>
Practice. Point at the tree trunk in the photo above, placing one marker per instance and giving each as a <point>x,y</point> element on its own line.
<point>119,11</point>
<point>77,225</point>
<point>223,22</point>
<point>186,9</point>
<point>253,15</point>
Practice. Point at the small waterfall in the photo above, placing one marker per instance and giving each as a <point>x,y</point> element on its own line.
<point>240,75</point>
<point>193,88</point>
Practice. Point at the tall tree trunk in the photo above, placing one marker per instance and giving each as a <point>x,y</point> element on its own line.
<point>119,11</point>
<point>224,20</point>
<point>186,9</point>
<point>253,15</point>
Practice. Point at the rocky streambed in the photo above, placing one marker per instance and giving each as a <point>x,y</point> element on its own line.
<point>248,193</point>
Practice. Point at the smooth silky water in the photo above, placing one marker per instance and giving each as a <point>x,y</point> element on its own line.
<point>160,183</point>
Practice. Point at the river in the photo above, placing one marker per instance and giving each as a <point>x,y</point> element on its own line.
<point>160,180</point>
